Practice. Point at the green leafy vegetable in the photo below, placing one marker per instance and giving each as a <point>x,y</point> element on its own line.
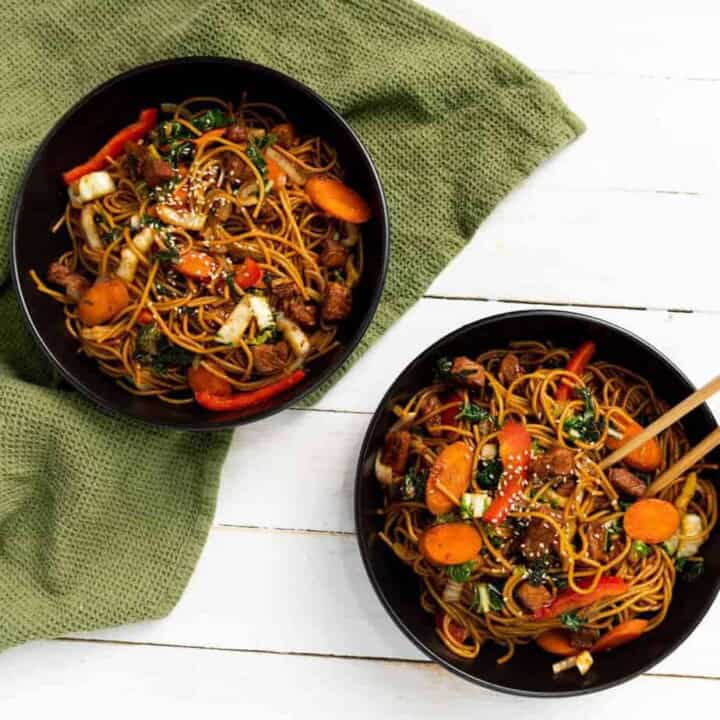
<point>488,473</point>
<point>461,573</point>
<point>212,119</point>
<point>230,280</point>
<point>571,621</point>
<point>473,413</point>
<point>443,368</point>
<point>690,570</point>
<point>180,152</point>
<point>466,508</point>
<point>413,484</point>
<point>171,130</point>
<point>641,548</point>
<point>497,541</point>
<point>253,152</point>
<point>584,427</point>
<point>270,335</point>
<point>537,570</point>
<point>496,598</point>
<point>154,349</point>
<point>625,504</point>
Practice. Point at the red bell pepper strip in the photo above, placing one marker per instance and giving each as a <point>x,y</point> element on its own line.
<point>240,401</point>
<point>568,599</point>
<point>114,146</point>
<point>515,445</point>
<point>457,631</point>
<point>576,364</point>
<point>448,415</point>
<point>248,274</point>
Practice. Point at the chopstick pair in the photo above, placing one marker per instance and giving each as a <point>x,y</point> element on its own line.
<point>662,423</point>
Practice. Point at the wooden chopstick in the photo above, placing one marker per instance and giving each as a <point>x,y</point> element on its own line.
<point>664,422</point>
<point>684,463</point>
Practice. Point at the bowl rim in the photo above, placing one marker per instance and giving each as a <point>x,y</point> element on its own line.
<point>358,511</point>
<point>317,379</point>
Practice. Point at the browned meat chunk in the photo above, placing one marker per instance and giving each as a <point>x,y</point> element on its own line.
<point>626,482</point>
<point>429,404</point>
<point>269,359</point>
<point>532,597</point>
<point>235,168</point>
<point>598,540</point>
<point>540,537</point>
<point>135,157</point>
<point>74,284</point>
<point>236,133</point>
<point>566,487</point>
<point>338,302</point>
<point>285,134</point>
<point>510,369</point>
<point>556,461</point>
<point>468,372</point>
<point>334,255</point>
<point>284,289</point>
<point>302,313</point>
<point>156,171</point>
<point>583,639</point>
<point>396,451</point>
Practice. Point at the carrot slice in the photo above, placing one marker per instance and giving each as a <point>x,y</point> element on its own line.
<point>337,199</point>
<point>623,633</point>
<point>450,543</point>
<point>651,520</point>
<point>647,457</point>
<point>451,469</point>
<point>202,380</point>
<point>196,265</point>
<point>275,173</point>
<point>105,299</point>
<point>556,642</point>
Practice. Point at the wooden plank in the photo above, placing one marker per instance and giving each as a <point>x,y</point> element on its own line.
<point>647,37</point>
<point>304,592</point>
<point>147,681</point>
<point>597,248</point>
<point>294,470</point>
<point>685,337</point>
<point>647,146</point>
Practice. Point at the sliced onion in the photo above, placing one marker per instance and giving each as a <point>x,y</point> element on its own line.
<point>383,473</point>
<point>296,176</point>
<point>87,222</point>
<point>181,218</point>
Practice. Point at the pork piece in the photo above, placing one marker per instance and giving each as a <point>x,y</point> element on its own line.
<point>510,369</point>
<point>235,168</point>
<point>269,359</point>
<point>626,482</point>
<point>598,541</point>
<point>236,133</point>
<point>555,462</point>
<point>304,314</point>
<point>338,302</point>
<point>285,133</point>
<point>334,255</point>
<point>156,171</point>
<point>135,156</point>
<point>540,537</point>
<point>429,404</point>
<point>74,284</point>
<point>467,372</point>
<point>532,597</point>
<point>284,289</point>
<point>566,487</point>
<point>396,451</point>
<point>583,639</point>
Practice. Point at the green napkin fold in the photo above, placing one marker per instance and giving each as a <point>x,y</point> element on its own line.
<point>102,520</point>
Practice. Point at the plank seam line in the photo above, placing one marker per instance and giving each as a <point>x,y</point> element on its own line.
<point>299,653</point>
<point>270,528</point>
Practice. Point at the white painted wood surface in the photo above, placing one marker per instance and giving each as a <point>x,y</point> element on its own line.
<point>626,219</point>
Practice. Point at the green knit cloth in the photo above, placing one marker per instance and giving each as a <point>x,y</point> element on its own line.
<point>101,519</point>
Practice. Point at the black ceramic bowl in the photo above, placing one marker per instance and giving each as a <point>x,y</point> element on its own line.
<point>87,125</point>
<point>529,672</point>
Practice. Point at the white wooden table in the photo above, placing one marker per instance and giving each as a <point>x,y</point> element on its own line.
<point>279,619</point>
